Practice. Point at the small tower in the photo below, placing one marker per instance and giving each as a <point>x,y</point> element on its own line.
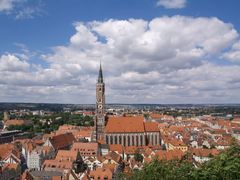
<point>100,106</point>
<point>78,165</point>
<point>6,116</point>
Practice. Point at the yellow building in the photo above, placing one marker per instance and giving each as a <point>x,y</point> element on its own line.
<point>177,144</point>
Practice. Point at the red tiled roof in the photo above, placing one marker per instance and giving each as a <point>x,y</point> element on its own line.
<point>176,142</point>
<point>112,167</point>
<point>116,147</point>
<point>146,151</point>
<point>57,178</point>
<point>162,125</point>
<point>63,155</point>
<point>83,133</point>
<point>62,140</point>
<point>125,124</point>
<point>101,173</point>
<point>86,149</point>
<point>176,128</point>
<point>7,149</point>
<point>85,146</point>
<point>151,126</point>
<point>114,156</point>
<point>38,142</point>
<point>169,155</point>
<point>130,149</point>
<point>204,152</point>
<point>52,163</point>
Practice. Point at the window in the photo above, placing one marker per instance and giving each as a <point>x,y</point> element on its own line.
<point>111,140</point>
<point>141,140</point>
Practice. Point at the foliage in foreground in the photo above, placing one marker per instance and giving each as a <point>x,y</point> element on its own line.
<point>224,166</point>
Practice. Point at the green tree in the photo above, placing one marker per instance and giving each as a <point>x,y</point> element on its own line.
<point>164,170</point>
<point>78,165</point>
<point>224,166</point>
<point>138,157</point>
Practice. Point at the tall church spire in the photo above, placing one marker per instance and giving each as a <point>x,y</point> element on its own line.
<point>99,123</point>
<point>100,75</point>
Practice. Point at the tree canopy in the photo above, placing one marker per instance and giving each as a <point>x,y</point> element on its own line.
<point>224,166</point>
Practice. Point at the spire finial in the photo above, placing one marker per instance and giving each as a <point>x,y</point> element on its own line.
<point>100,75</point>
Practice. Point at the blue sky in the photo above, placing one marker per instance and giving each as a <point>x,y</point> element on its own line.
<point>40,37</point>
<point>53,25</point>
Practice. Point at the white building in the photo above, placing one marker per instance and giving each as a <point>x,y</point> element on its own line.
<point>35,159</point>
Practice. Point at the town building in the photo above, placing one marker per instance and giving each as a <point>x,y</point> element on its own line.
<point>9,154</point>
<point>35,159</point>
<point>89,149</point>
<point>131,131</point>
<point>177,144</point>
<point>61,141</point>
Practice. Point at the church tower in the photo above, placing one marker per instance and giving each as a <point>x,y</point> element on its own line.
<point>100,106</point>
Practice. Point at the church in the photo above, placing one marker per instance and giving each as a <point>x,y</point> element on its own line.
<point>127,131</point>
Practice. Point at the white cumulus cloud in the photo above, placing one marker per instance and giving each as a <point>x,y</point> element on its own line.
<point>164,60</point>
<point>234,54</point>
<point>12,63</point>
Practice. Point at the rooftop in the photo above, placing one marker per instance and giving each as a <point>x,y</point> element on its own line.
<point>125,124</point>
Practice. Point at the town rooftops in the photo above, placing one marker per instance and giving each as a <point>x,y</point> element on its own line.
<point>151,126</point>
<point>176,142</point>
<point>53,164</point>
<point>125,124</point>
<point>85,146</point>
<point>101,173</point>
<point>204,152</point>
<point>62,140</point>
<point>169,155</point>
<point>116,147</point>
<point>66,155</point>
<point>7,149</point>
